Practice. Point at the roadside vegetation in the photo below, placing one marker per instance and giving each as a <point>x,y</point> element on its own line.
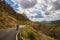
<point>29,33</point>
<point>52,30</point>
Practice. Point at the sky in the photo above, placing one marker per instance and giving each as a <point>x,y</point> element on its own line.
<point>37,10</point>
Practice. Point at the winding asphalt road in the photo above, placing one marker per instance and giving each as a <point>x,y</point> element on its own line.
<point>9,34</point>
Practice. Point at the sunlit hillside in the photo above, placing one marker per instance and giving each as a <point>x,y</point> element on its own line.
<point>20,17</point>
<point>29,33</point>
<point>6,21</point>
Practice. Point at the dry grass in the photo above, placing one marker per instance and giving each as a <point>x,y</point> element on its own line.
<point>29,33</point>
<point>6,21</point>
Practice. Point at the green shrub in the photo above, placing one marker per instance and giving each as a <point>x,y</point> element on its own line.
<point>18,36</point>
<point>31,36</point>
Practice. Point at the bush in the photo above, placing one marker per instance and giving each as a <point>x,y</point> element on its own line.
<point>18,36</point>
<point>31,36</point>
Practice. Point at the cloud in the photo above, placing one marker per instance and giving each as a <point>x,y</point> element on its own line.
<point>26,3</point>
<point>38,10</point>
<point>56,5</point>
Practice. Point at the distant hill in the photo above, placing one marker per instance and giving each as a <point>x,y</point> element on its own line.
<point>56,22</point>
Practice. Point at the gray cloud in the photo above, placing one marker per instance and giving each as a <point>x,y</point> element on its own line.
<point>56,5</point>
<point>27,4</point>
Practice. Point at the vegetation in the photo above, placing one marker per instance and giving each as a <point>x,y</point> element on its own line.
<point>49,29</point>
<point>6,21</point>
<point>29,33</point>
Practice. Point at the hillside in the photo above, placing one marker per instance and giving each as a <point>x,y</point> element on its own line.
<point>6,21</point>
<point>52,30</point>
<point>20,17</point>
<point>56,22</point>
<point>29,33</point>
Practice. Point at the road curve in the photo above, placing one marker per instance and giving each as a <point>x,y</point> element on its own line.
<point>9,34</point>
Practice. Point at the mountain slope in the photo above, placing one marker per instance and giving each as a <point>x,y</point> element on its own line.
<point>7,21</point>
<point>29,33</point>
<point>52,30</point>
<point>21,18</point>
<point>56,22</point>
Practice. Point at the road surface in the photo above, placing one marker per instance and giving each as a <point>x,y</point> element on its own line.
<point>9,34</point>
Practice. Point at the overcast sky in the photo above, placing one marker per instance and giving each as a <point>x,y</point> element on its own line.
<point>37,10</point>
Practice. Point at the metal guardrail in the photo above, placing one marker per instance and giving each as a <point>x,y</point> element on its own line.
<point>20,27</point>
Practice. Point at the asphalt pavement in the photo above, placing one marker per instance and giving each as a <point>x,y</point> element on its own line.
<point>8,34</point>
